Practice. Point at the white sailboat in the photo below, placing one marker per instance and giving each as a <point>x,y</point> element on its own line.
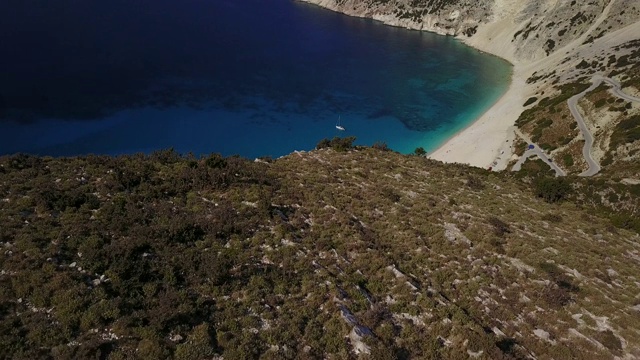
<point>338,126</point>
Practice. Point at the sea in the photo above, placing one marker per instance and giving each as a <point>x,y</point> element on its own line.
<point>237,77</point>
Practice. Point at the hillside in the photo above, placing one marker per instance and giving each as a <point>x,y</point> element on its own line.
<point>352,252</point>
<point>558,48</point>
<point>523,30</point>
<point>333,253</point>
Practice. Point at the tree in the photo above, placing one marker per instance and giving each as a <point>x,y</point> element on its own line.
<point>337,143</point>
<point>381,145</point>
<point>420,151</point>
<point>552,189</point>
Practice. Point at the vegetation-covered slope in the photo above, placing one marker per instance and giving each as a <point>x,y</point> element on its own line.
<point>321,254</point>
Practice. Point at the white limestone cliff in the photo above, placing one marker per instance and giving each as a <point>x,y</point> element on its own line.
<point>517,30</point>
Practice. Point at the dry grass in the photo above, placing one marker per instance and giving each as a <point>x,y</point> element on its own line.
<point>489,290</point>
<point>435,260</point>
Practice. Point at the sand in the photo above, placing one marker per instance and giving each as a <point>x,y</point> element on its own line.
<point>487,143</point>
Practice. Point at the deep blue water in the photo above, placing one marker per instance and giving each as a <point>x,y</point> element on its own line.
<point>248,77</point>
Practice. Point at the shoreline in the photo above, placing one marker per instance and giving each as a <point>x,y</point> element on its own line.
<point>486,141</point>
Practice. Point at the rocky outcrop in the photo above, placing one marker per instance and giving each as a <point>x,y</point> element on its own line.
<point>443,17</point>
<point>520,30</point>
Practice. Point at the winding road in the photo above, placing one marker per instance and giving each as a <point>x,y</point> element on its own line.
<point>594,167</point>
<point>616,89</point>
<point>538,152</point>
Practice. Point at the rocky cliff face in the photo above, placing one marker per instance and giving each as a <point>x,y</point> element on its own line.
<point>522,30</point>
<point>441,16</point>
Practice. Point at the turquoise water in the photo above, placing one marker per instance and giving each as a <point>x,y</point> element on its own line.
<point>245,77</point>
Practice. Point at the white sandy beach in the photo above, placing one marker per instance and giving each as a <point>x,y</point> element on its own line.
<point>487,142</point>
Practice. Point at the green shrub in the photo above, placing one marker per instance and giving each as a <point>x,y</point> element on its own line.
<point>552,217</point>
<point>323,144</point>
<point>610,341</point>
<point>626,221</point>
<point>567,159</point>
<point>474,182</point>
<point>500,228</point>
<point>420,151</point>
<point>626,132</point>
<point>390,194</point>
<point>381,145</point>
<point>337,143</point>
<point>600,103</point>
<point>216,161</point>
<point>198,345</point>
<point>552,189</point>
